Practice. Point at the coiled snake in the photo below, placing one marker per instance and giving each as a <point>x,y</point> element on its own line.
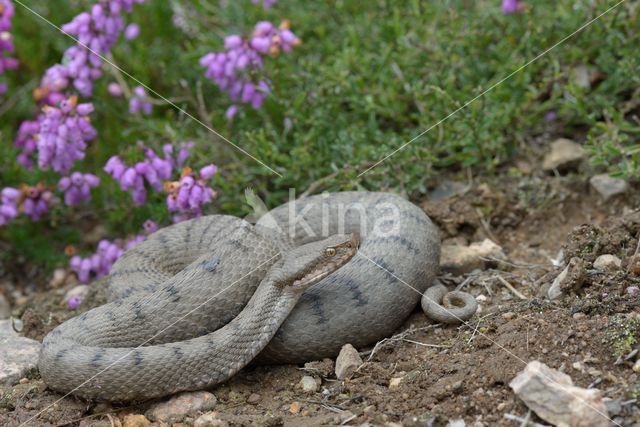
<point>199,300</point>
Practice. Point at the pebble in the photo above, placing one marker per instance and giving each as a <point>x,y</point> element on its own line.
<point>58,279</point>
<point>347,362</point>
<point>294,408</point>
<point>135,420</point>
<point>181,405</point>
<point>18,355</point>
<point>210,419</point>
<point>508,315</point>
<point>395,382</point>
<point>608,186</point>
<point>571,278</point>
<point>607,262</point>
<point>636,366</point>
<point>309,384</point>
<point>564,155</point>
<point>579,315</point>
<point>553,397</point>
<point>459,259</point>
<point>254,398</point>
<point>5,308</point>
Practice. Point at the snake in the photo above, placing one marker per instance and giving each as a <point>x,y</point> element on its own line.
<point>199,300</point>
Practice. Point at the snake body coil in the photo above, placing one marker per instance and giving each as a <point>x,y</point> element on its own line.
<point>196,301</point>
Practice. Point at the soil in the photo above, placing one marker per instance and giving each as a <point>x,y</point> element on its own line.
<point>448,372</point>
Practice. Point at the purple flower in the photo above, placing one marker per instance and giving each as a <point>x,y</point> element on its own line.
<point>139,101</point>
<point>233,70</point>
<point>77,187</point>
<point>37,201</point>
<point>265,3</point>
<point>511,6</point>
<point>188,196</point>
<point>150,226</point>
<point>9,200</point>
<point>633,291</point>
<point>114,89</point>
<point>550,116</point>
<point>60,137</point>
<point>6,41</point>
<point>74,302</point>
<point>132,31</point>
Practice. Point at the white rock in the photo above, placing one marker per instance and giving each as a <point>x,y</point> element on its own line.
<point>636,366</point>
<point>395,382</point>
<point>80,291</point>
<point>458,259</point>
<point>608,186</point>
<point>347,362</point>
<point>58,279</point>
<point>553,397</point>
<point>309,384</point>
<point>18,354</point>
<point>5,309</point>
<point>456,423</point>
<point>210,419</point>
<point>563,155</point>
<point>607,263</point>
<point>181,405</point>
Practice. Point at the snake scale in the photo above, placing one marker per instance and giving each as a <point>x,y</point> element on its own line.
<point>199,300</point>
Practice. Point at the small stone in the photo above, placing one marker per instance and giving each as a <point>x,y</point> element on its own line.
<point>608,186</point>
<point>636,366</point>
<point>58,279</point>
<point>447,189</point>
<point>181,405</point>
<point>24,381</point>
<point>564,155</point>
<point>210,419</point>
<point>456,423</point>
<point>309,384</point>
<point>395,382</point>
<point>482,298</point>
<point>347,362</point>
<point>578,316</point>
<point>508,315</point>
<point>501,406</point>
<point>553,397</point>
<point>571,278</point>
<point>254,398</point>
<point>5,308</point>
<point>79,291</point>
<point>135,420</point>
<point>18,355</point>
<point>607,262</point>
<point>458,259</point>
<point>295,407</point>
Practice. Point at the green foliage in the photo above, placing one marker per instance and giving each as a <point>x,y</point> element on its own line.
<point>369,77</point>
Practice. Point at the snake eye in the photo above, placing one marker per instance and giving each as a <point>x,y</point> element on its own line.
<point>330,251</point>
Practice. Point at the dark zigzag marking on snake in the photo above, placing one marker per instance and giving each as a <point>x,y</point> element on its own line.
<point>397,239</point>
<point>315,302</point>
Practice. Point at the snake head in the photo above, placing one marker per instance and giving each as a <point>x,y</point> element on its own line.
<point>308,264</point>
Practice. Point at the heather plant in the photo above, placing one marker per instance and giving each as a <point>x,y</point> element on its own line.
<point>368,77</point>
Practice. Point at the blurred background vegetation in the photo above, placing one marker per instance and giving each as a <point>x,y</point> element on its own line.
<point>368,77</point>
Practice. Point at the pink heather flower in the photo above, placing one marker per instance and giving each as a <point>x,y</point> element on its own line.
<point>233,70</point>
<point>9,199</point>
<point>150,226</point>
<point>139,101</point>
<point>37,201</point>
<point>114,89</point>
<point>633,291</point>
<point>188,196</point>
<point>74,302</point>
<point>152,170</point>
<point>132,31</point>
<point>58,137</point>
<point>511,6</point>
<point>77,187</point>
<point>265,3</point>
<point>550,116</point>
<point>6,41</point>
